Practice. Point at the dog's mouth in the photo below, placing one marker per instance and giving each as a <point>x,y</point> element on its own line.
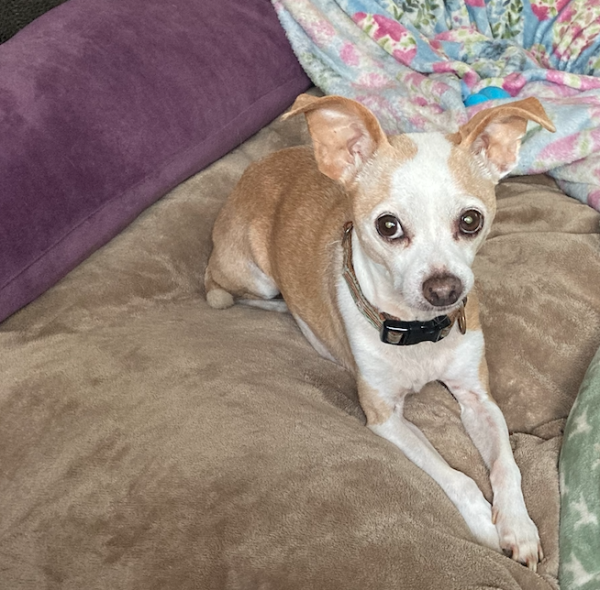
<point>431,311</point>
<point>446,308</point>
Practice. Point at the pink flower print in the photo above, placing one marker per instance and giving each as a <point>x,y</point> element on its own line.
<point>589,82</point>
<point>594,199</point>
<point>414,78</point>
<point>387,26</point>
<point>470,78</point>
<point>359,17</point>
<point>445,36</point>
<point>373,81</point>
<point>320,31</point>
<point>513,83</point>
<point>545,9</point>
<point>462,70</point>
<point>574,30</point>
<point>560,78</point>
<point>567,15</point>
<point>390,34</point>
<point>475,3</point>
<point>444,67</point>
<point>541,12</point>
<point>537,53</point>
<point>560,4</point>
<point>561,150</point>
<point>349,55</point>
<point>405,54</point>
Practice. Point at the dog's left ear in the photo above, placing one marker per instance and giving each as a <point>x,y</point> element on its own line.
<point>345,134</point>
<point>494,135</point>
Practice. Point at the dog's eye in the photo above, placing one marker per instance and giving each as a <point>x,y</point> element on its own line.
<point>470,222</point>
<point>389,227</point>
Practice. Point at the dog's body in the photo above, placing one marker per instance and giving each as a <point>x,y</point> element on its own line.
<point>414,202</point>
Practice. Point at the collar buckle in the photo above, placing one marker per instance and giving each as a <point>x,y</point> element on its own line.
<point>401,333</point>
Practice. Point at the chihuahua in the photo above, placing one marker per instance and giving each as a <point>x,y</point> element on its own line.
<point>368,241</point>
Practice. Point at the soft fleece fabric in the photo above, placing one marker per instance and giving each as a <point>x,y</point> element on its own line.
<point>149,442</point>
<point>413,63</point>
<point>105,105</point>
<point>580,488</point>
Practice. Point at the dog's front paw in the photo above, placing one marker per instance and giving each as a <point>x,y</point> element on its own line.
<point>477,512</point>
<point>485,533</point>
<point>519,536</point>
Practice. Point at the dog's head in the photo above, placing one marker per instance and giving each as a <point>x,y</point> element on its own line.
<point>423,203</point>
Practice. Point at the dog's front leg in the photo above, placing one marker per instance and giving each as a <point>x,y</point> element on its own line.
<point>388,422</point>
<point>485,424</point>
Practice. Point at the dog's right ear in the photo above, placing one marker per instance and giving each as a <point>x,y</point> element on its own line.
<point>494,135</point>
<point>345,133</point>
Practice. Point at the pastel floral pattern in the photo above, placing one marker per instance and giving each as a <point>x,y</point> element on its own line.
<point>413,62</point>
<point>547,9</point>
<point>389,34</point>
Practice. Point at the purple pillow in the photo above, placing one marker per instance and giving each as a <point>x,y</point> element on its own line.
<point>105,105</point>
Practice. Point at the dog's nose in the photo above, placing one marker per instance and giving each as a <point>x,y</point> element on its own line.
<point>442,290</point>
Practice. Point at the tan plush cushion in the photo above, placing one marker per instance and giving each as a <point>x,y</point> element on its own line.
<point>150,442</point>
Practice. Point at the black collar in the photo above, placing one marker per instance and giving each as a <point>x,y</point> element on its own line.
<point>393,330</point>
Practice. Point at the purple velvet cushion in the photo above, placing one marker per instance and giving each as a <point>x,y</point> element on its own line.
<point>105,105</point>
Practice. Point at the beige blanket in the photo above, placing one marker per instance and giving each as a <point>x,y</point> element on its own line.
<point>150,442</point>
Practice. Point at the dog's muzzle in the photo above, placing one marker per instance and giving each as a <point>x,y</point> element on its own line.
<point>393,330</point>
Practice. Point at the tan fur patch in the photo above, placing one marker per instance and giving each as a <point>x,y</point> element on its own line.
<point>375,408</point>
<point>474,323</point>
<point>404,147</point>
<point>472,311</point>
<point>484,375</point>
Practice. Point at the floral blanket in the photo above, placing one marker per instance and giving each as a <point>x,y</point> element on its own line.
<point>414,62</point>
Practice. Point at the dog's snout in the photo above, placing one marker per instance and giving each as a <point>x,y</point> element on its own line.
<point>442,290</point>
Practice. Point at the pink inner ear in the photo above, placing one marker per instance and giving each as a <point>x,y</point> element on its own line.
<point>484,139</point>
<point>345,135</point>
<point>359,143</point>
<point>500,143</point>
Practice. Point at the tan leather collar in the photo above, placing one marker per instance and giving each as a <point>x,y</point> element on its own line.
<point>393,330</point>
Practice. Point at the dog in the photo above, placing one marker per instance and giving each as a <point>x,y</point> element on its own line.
<point>368,241</point>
